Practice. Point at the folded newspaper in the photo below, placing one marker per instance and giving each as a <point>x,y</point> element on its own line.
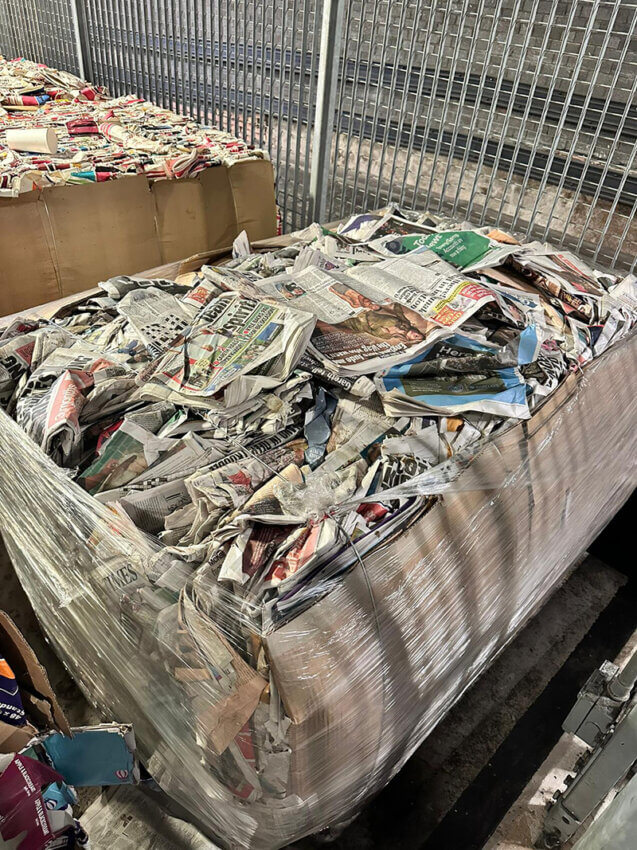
<point>267,422</point>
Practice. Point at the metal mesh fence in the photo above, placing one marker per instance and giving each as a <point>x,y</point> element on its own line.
<point>41,30</point>
<point>515,112</point>
<point>520,112</point>
<point>246,67</point>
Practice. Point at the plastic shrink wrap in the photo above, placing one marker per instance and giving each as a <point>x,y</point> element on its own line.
<point>268,734</point>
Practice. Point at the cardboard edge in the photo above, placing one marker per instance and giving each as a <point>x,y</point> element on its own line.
<point>23,660</point>
<point>252,186</point>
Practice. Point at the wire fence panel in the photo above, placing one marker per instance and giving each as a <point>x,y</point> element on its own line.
<point>246,67</point>
<point>516,112</point>
<point>520,113</point>
<point>40,30</point>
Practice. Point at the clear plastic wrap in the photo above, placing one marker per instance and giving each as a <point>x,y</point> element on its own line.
<point>367,672</point>
<point>268,734</point>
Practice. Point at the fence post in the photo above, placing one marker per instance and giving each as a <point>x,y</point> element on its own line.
<point>329,56</point>
<point>13,50</point>
<point>80,36</point>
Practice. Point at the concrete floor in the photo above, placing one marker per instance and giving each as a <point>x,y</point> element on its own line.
<point>521,828</point>
<point>426,795</point>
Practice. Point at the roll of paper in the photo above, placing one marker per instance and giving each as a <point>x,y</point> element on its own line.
<point>35,140</point>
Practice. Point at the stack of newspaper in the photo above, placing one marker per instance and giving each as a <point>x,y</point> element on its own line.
<point>96,137</point>
<point>267,422</point>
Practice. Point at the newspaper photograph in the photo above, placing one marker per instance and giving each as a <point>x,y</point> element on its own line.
<point>381,314</point>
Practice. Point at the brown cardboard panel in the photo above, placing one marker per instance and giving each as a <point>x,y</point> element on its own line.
<point>252,184</point>
<point>65,239</point>
<point>194,214</point>
<point>178,217</point>
<point>27,270</point>
<point>195,217</point>
<point>102,230</point>
<point>194,263</point>
<point>15,738</point>
<point>273,243</point>
<point>168,270</point>
<point>29,673</point>
<point>171,271</point>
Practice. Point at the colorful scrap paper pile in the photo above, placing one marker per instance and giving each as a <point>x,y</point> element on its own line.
<point>98,137</point>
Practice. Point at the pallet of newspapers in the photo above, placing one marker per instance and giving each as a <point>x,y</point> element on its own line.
<point>280,512</point>
<point>65,147</point>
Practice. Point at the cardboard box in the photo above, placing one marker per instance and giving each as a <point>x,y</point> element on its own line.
<point>38,698</point>
<point>64,239</point>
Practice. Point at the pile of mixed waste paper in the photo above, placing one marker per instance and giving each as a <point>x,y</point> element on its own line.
<point>43,760</point>
<point>269,421</point>
<point>97,138</point>
<point>38,785</point>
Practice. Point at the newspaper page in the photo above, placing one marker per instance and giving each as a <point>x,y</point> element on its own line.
<point>465,249</point>
<point>126,453</point>
<point>236,335</point>
<point>184,457</point>
<point>459,374</point>
<point>379,315</point>
<point>16,354</point>
<point>366,226</point>
<point>149,508</point>
<point>158,317</point>
<point>51,402</point>
<point>22,352</point>
<point>564,277</point>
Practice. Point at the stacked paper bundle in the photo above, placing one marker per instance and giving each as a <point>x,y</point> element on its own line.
<point>248,443</point>
<point>91,137</point>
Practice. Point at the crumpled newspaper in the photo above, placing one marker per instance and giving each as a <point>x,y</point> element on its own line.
<point>266,422</point>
